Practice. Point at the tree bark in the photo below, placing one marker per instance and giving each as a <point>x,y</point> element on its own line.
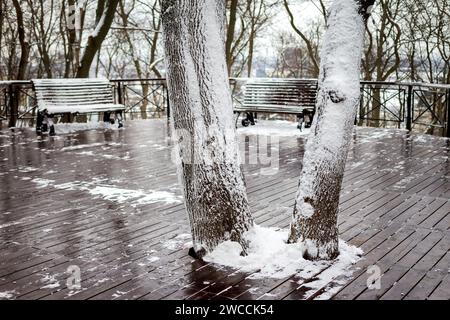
<point>95,40</point>
<point>208,159</point>
<point>24,46</point>
<point>316,209</point>
<point>230,34</point>
<point>23,63</point>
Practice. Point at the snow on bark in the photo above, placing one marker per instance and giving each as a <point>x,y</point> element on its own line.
<point>316,209</point>
<point>207,148</point>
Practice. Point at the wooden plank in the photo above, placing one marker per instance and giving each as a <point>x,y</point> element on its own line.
<point>403,230</point>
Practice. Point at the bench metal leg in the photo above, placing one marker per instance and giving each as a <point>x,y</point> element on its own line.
<point>119,118</point>
<point>237,118</point>
<point>251,118</point>
<point>309,119</point>
<point>39,121</point>
<point>51,125</point>
<point>300,119</point>
<point>106,116</point>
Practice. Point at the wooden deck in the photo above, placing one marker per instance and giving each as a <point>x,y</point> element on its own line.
<point>83,199</point>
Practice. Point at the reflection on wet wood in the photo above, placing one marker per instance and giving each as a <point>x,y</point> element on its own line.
<point>109,202</point>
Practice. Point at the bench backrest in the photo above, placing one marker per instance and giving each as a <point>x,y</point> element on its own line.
<point>279,93</point>
<point>73,95</point>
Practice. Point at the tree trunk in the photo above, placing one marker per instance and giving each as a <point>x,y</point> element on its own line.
<point>251,44</point>
<point>316,209</point>
<point>95,40</point>
<point>230,34</point>
<point>375,114</point>
<point>24,46</point>
<point>199,93</point>
<point>21,72</point>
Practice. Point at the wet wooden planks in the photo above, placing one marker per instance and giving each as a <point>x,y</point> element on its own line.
<point>77,199</point>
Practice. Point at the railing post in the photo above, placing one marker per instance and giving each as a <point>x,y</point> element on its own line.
<point>448,113</point>
<point>409,108</point>
<point>119,93</point>
<point>359,118</point>
<point>167,101</point>
<point>12,105</point>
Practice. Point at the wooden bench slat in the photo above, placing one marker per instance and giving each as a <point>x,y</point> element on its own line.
<point>84,108</point>
<point>75,95</point>
<point>284,96</point>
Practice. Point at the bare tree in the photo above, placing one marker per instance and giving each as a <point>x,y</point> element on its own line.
<point>199,93</point>
<point>144,64</point>
<point>25,50</point>
<point>316,208</point>
<point>382,55</point>
<point>104,18</point>
<point>310,45</point>
<point>24,45</point>
<point>231,26</point>
<point>246,21</point>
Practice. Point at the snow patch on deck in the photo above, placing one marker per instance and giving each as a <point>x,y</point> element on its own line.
<point>66,128</point>
<point>7,295</point>
<point>179,242</point>
<point>113,193</point>
<point>279,128</point>
<point>269,256</point>
<point>82,146</point>
<point>50,281</point>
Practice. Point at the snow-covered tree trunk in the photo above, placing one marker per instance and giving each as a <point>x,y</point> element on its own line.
<point>316,209</point>
<point>199,93</point>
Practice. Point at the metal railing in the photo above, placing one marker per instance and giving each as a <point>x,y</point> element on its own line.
<point>144,98</point>
<point>418,107</point>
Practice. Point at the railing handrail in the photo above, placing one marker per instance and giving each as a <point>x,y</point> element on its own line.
<point>136,79</point>
<point>10,82</point>
<point>410,92</point>
<point>366,82</point>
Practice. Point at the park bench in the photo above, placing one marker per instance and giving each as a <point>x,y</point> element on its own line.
<point>74,96</point>
<point>284,96</point>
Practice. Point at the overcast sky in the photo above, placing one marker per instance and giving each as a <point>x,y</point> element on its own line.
<point>305,12</point>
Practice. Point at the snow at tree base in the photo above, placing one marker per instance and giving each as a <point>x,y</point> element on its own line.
<point>269,256</point>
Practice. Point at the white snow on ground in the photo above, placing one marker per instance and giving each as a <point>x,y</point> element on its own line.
<point>153,259</point>
<point>403,182</point>
<point>42,183</point>
<point>27,169</point>
<point>269,256</point>
<point>178,242</point>
<point>106,156</point>
<point>64,128</point>
<point>279,128</point>
<point>50,281</point>
<point>113,193</point>
<point>82,146</point>
<point>377,134</point>
<point>7,294</point>
<point>142,197</point>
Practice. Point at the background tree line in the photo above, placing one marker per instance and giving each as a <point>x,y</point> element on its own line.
<point>405,39</point>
